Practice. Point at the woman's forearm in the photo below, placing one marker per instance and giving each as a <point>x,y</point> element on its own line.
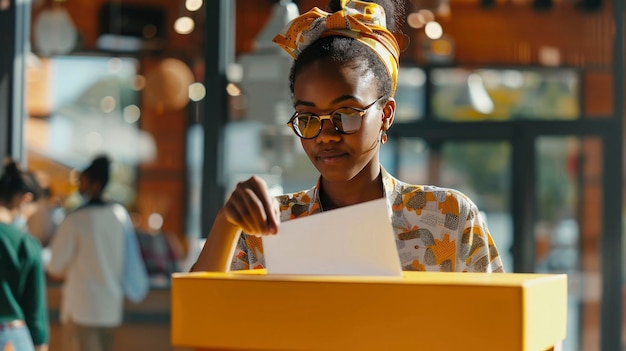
<point>217,253</point>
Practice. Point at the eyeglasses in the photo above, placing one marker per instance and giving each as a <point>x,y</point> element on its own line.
<point>346,120</point>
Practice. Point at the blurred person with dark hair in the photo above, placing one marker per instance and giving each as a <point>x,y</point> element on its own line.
<point>23,307</point>
<point>21,217</point>
<point>95,252</point>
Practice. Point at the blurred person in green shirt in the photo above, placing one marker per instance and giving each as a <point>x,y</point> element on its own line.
<point>23,309</point>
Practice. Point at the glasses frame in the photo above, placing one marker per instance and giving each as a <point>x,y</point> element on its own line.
<point>329,116</point>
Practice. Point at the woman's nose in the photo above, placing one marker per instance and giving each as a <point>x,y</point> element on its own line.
<point>328,133</point>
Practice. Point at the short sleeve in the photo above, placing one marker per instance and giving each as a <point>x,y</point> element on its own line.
<point>240,258</point>
<point>483,255</point>
<point>248,253</point>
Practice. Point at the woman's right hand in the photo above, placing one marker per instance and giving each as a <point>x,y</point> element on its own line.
<point>252,208</point>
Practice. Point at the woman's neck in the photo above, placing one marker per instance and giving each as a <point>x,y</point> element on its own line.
<point>340,194</point>
<point>6,215</point>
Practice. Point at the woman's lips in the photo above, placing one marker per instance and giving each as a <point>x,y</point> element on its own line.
<point>330,158</point>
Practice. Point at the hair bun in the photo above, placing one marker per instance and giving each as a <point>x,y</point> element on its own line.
<point>101,162</point>
<point>11,167</point>
<point>14,182</point>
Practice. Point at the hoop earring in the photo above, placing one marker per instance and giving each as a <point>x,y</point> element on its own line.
<point>383,136</point>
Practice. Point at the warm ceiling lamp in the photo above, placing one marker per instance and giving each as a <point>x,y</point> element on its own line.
<point>54,32</point>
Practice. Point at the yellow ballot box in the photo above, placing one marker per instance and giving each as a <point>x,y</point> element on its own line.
<point>253,310</point>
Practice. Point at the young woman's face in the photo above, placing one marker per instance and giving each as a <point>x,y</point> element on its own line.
<point>83,184</point>
<point>22,204</point>
<point>321,88</point>
<point>87,187</point>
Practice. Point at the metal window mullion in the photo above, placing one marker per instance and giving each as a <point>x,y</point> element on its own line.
<point>613,174</point>
<point>7,27</point>
<point>523,198</point>
<point>219,53</point>
<point>14,41</point>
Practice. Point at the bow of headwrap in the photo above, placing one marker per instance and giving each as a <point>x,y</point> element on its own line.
<point>360,20</point>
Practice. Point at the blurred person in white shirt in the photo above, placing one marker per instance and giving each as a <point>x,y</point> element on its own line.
<point>95,252</point>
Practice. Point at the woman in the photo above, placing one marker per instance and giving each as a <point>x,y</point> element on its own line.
<point>95,252</point>
<point>23,309</point>
<point>343,81</point>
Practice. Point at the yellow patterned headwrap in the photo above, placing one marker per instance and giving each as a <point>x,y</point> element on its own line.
<point>360,20</point>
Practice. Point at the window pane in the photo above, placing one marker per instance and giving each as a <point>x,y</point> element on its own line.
<point>273,153</point>
<point>81,106</point>
<point>568,228</point>
<point>410,94</point>
<point>482,171</point>
<point>505,94</point>
<point>413,156</point>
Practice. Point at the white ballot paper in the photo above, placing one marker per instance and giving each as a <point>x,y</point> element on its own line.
<point>353,240</point>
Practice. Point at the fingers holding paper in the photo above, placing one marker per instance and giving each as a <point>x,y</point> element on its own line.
<point>252,208</point>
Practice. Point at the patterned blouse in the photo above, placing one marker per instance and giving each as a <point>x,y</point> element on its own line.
<point>436,229</point>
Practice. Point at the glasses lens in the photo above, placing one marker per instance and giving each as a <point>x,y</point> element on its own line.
<point>347,120</point>
<point>307,125</point>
